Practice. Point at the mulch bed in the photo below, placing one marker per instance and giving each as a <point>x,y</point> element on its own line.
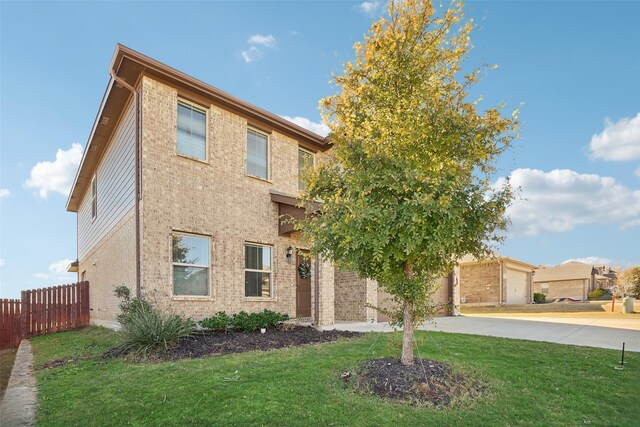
<point>206,343</point>
<point>427,382</point>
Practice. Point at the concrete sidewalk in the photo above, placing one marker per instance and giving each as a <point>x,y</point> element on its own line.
<point>535,330</point>
<point>18,407</point>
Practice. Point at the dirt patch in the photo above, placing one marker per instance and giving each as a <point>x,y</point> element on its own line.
<point>6,364</point>
<point>57,363</point>
<point>203,344</point>
<point>427,382</point>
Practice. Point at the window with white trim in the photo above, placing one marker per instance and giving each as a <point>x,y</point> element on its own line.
<point>94,197</point>
<point>258,275</point>
<point>305,160</point>
<point>544,288</point>
<point>191,261</point>
<point>192,131</point>
<point>257,154</point>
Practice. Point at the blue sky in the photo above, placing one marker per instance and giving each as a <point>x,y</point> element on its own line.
<point>574,65</point>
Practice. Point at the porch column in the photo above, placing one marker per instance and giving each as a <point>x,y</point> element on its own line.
<point>324,299</point>
<point>455,311</point>
<point>371,300</point>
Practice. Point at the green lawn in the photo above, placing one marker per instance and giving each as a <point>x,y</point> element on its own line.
<point>531,383</point>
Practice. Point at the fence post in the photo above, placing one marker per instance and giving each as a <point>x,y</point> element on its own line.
<point>24,310</point>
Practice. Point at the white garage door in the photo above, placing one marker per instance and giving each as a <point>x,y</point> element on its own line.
<point>516,287</point>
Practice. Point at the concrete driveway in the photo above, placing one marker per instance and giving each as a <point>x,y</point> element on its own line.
<point>580,332</point>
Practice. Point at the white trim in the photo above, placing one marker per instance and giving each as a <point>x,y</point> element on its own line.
<point>313,162</point>
<point>198,107</point>
<point>272,296</point>
<point>94,196</point>
<point>246,150</point>
<point>209,268</point>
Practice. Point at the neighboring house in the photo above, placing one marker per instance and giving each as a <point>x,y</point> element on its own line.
<point>606,276</point>
<point>495,281</point>
<point>181,194</point>
<point>569,280</point>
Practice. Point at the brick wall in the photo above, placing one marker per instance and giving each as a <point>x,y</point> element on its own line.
<point>439,296</point>
<point>215,199</point>
<point>575,289</point>
<point>352,294</point>
<point>480,283</point>
<point>110,263</point>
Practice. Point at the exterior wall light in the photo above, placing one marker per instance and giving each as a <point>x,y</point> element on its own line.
<point>289,254</point>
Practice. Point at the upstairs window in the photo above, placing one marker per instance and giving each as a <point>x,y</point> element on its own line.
<point>192,131</point>
<point>94,197</point>
<point>305,160</point>
<point>257,154</point>
<point>190,265</point>
<point>257,271</point>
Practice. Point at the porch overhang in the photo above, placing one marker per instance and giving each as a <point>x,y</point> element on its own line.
<point>290,211</point>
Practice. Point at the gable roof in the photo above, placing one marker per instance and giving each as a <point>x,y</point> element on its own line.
<point>470,259</point>
<point>130,65</point>
<point>568,271</point>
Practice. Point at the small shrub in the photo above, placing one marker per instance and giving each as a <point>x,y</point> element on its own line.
<point>148,330</point>
<point>219,322</point>
<point>244,321</point>
<point>271,319</point>
<point>145,328</point>
<point>539,298</point>
<point>597,293</point>
<point>129,305</point>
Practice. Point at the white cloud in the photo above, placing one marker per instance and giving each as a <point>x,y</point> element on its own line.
<point>370,8</point>
<point>2,262</point>
<point>4,192</point>
<point>319,128</point>
<point>619,141</point>
<point>593,260</point>
<point>253,53</point>
<point>559,200</point>
<point>259,39</point>
<point>60,267</point>
<point>56,176</point>
<point>58,272</point>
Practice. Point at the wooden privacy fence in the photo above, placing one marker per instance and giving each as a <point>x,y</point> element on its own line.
<point>43,311</point>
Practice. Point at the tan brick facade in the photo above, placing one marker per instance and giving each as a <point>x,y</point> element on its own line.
<point>354,297</point>
<point>442,295</point>
<point>215,199</point>
<point>110,263</point>
<point>576,289</point>
<point>480,283</point>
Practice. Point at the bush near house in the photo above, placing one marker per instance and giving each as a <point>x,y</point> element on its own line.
<point>244,321</point>
<point>146,328</point>
<point>539,298</point>
<point>597,294</point>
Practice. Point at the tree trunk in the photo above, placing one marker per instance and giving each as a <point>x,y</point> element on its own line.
<point>407,334</point>
<point>407,323</point>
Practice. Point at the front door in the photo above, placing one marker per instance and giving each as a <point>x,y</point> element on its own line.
<point>303,286</point>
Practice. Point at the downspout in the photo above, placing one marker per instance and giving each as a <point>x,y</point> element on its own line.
<point>137,172</point>
<point>501,280</point>
<point>316,274</point>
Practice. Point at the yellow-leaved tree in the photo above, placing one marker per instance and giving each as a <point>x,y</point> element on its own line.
<point>406,189</point>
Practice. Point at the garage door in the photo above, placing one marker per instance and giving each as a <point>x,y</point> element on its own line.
<point>516,287</point>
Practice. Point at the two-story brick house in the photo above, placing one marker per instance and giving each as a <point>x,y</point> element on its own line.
<point>180,196</point>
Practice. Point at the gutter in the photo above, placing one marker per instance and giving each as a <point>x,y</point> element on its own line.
<point>317,291</point>
<point>136,100</point>
<point>501,280</point>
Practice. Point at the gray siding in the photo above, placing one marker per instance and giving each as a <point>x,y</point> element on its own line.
<point>116,186</point>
